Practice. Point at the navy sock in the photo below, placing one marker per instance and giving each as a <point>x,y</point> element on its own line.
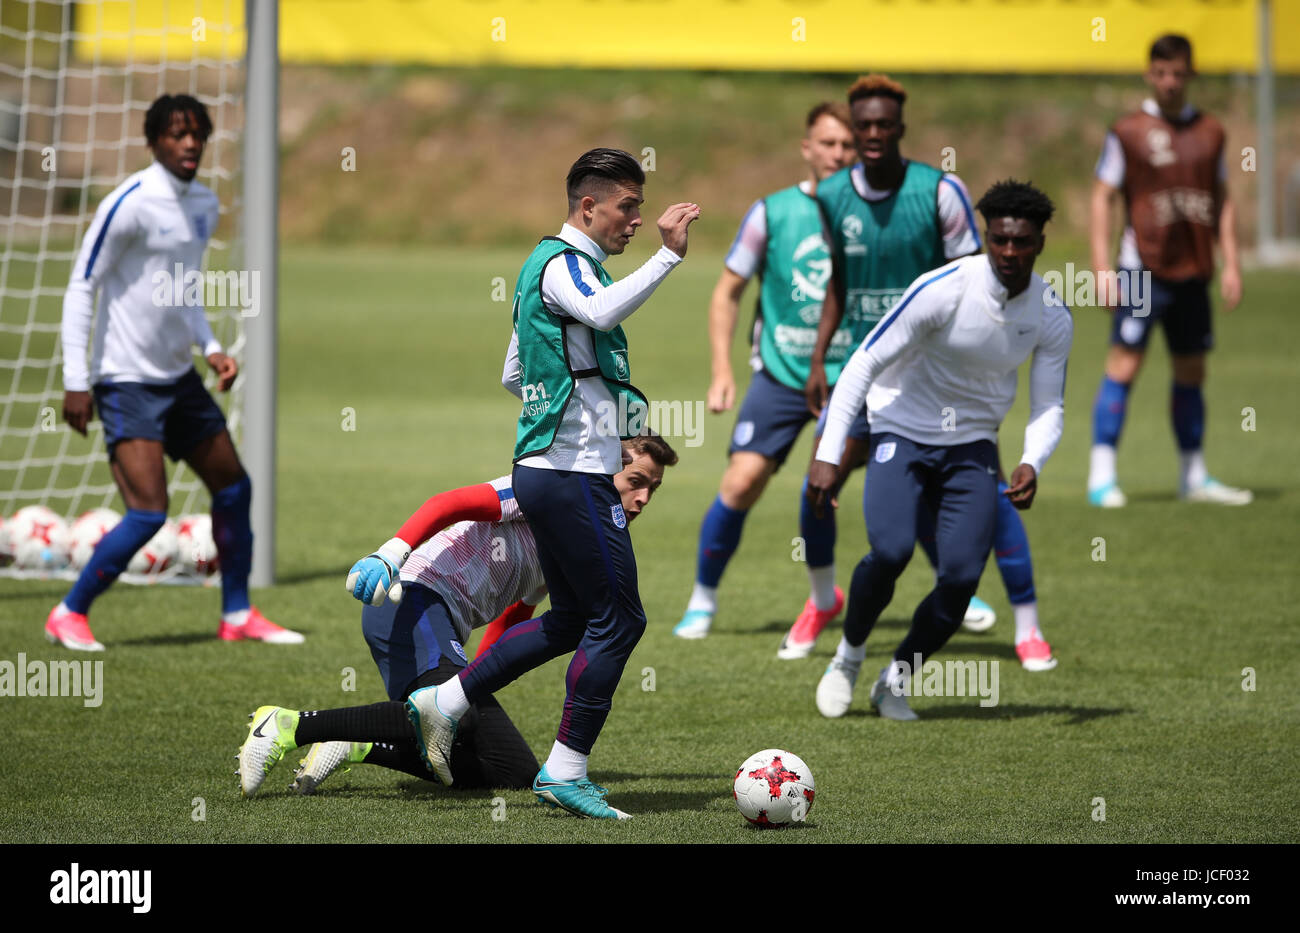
<point>719,538</point>
<point>818,533</point>
<point>233,535</point>
<point>1188,412</point>
<point>1108,412</point>
<point>1011,548</point>
<point>111,556</point>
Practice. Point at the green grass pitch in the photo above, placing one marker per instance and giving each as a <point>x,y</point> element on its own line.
<point>1146,710</point>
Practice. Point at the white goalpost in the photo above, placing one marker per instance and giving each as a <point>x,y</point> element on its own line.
<point>75,82</point>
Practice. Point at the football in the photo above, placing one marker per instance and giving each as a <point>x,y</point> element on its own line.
<point>159,553</point>
<point>87,531</point>
<point>774,788</point>
<point>39,539</point>
<point>198,552</point>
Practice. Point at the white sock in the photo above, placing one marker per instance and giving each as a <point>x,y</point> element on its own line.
<point>565,764</point>
<point>821,586</point>
<point>237,618</point>
<point>704,598</point>
<point>849,654</point>
<point>1192,470</point>
<point>1101,469</point>
<point>61,608</point>
<point>895,675</point>
<point>451,700</point>
<point>1026,621</point>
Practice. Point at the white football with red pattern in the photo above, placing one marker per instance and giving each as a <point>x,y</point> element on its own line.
<point>774,788</point>
<point>159,552</point>
<point>198,552</point>
<point>39,538</point>
<point>87,531</point>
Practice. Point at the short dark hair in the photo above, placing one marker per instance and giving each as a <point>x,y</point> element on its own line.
<point>1171,46</point>
<point>829,108</point>
<point>650,442</point>
<point>877,85</point>
<point>1012,198</point>
<point>599,170</point>
<point>161,111</point>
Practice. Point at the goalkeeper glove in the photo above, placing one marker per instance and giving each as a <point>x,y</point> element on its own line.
<point>374,577</point>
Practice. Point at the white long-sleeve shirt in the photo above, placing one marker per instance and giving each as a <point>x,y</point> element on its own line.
<point>150,226</point>
<point>940,368</point>
<point>570,287</point>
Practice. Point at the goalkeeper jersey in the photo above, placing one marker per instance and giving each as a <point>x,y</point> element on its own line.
<point>481,568</point>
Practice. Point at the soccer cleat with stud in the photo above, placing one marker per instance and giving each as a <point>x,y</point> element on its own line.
<point>581,798</point>
<point>835,690</point>
<point>1218,493</point>
<point>889,704</point>
<point>695,624</point>
<point>799,641</point>
<point>979,616</point>
<point>270,736</point>
<point>258,628</point>
<point>1035,654</point>
<point>433,731</point>
<point>323,759</point>
<point>71,630</point>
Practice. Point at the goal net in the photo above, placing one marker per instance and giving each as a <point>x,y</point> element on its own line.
<point>75,82</point>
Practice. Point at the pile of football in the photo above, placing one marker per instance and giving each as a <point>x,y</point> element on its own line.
<point>774,788</point>
<point>36,539</point>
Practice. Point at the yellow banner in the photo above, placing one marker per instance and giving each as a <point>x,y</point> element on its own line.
<point>1073,36</point>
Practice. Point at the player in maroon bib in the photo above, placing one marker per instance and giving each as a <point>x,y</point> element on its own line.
<point>1167,160</point>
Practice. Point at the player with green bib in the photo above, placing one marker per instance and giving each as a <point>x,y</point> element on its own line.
<point>780,240</point>
<point>569,359</point>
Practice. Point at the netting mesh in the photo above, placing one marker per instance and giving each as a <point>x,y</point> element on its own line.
<point>75,83</point>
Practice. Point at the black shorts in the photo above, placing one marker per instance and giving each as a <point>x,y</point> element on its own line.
<point>1182,307</point>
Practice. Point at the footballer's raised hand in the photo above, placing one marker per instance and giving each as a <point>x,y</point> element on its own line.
<point>1024,483</point>
<point>77,410</point>
<point>375,576</point>
<point>673,224</point>
<point>226,369</point>
<point>823,479</point>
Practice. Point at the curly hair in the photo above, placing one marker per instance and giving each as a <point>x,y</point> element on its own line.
<point>1012,198</point>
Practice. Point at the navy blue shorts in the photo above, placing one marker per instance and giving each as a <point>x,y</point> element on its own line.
<point>1182,307</point>
<point>411,638</point>
<point>772,416</point>
<point>859,430</point>
<point>180,413</point>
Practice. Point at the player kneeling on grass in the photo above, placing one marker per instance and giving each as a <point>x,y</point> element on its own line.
<point>456,579</point>
<point>958,335</point>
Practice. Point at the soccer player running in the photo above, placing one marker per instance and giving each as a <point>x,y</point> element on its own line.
<point>781,241</point>
<point>465,559</point>
<point>1167,160</point>
<point>141,373</point>
<point>889,220</point>
<point>572,362</point>
<point>958,336</point>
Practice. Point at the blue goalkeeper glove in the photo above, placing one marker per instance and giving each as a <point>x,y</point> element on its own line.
<point>374,577</point>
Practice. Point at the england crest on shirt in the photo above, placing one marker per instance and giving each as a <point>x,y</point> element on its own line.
<point>616,513</point>
<point>885,452</point>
